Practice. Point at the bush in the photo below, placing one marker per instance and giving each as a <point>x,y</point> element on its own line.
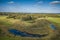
<point>27,18</point>
<point>12,16</point>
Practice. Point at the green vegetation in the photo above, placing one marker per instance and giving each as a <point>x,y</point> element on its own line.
<point>31,23</point>
<point>26,18</point>
<point>0,31</point>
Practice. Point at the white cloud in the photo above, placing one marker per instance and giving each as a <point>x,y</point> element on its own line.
<point>40,2</point>
<point>11,2</point>
<point>55,2</point>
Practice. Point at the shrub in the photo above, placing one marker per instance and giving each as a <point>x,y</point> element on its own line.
<point>12,16</point>
<point>27,18</point>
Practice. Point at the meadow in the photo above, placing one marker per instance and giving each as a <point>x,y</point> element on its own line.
<point>33,23</point>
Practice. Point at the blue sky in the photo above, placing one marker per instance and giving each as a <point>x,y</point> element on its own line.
<point>30,6</point>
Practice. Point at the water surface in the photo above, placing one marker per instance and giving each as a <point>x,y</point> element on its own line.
<point>25,34</point>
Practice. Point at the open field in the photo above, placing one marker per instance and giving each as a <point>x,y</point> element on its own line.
<point>40,24</point>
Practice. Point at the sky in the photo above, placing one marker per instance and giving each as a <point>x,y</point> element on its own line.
<point>30,6</point>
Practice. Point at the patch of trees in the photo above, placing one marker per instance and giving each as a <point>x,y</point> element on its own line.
<point>3,13</point>
<point>27,17</point>
<point>11,17</point>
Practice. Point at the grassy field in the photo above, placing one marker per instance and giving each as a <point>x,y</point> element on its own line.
<point>30,23</point>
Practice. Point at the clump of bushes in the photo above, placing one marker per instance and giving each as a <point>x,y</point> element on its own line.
<point>12,16</point>
<point>27,18</point>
